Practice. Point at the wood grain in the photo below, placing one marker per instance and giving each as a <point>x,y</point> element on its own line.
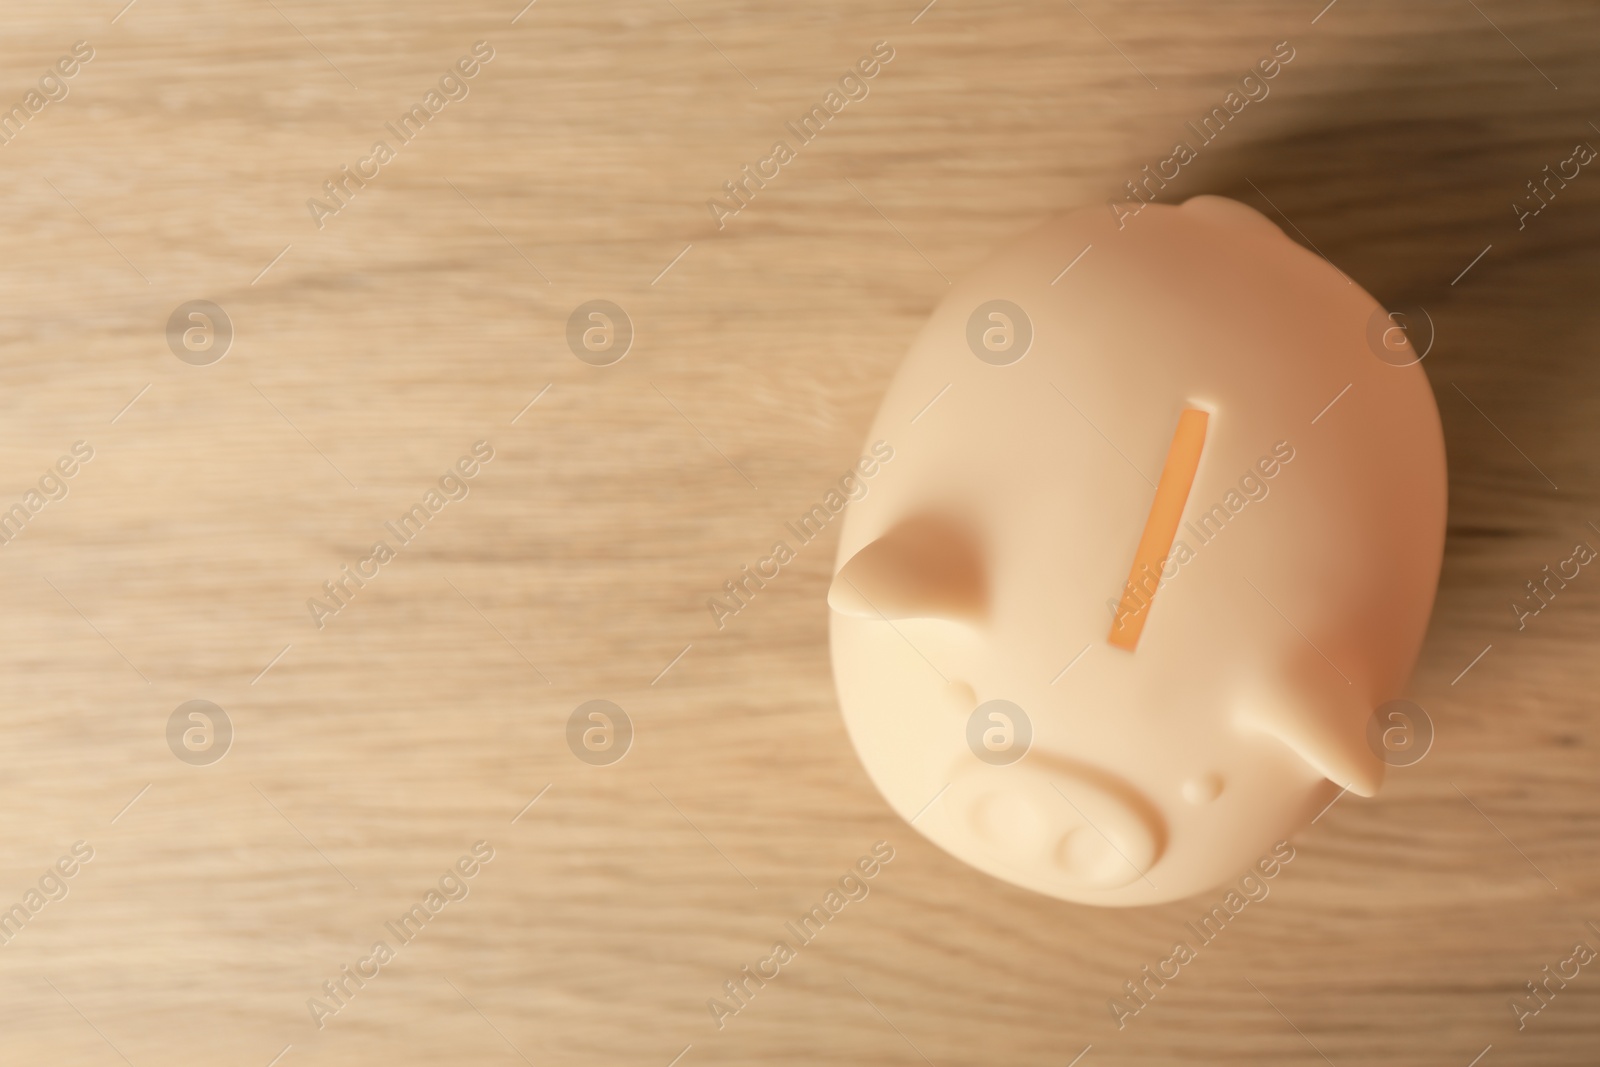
<point>428,312</point>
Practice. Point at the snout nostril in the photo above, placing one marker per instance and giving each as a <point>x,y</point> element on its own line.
<point>1087,854</point>
<point>1011,822</point>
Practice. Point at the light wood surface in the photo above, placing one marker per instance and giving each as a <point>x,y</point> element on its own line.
<point>426,714</point>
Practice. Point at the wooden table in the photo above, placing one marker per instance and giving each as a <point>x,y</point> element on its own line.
<point>430,311</point>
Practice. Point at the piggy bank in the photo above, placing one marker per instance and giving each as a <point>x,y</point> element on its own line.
<point>1163,528</point>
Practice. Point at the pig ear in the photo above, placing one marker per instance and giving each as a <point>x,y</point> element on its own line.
<point>1324,725</point>
<point>923,568</point>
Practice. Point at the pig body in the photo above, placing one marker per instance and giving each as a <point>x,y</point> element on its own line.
<point>977,587</point>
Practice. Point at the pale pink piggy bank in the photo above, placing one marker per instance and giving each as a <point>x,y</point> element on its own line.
<point>1162,531</point>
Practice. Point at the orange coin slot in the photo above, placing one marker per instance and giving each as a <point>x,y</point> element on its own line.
<point>1160,529</point>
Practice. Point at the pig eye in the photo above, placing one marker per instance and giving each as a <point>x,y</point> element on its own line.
<point>1203,789</point>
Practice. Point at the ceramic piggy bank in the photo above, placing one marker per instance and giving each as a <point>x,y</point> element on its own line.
<point>1163,529</point>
